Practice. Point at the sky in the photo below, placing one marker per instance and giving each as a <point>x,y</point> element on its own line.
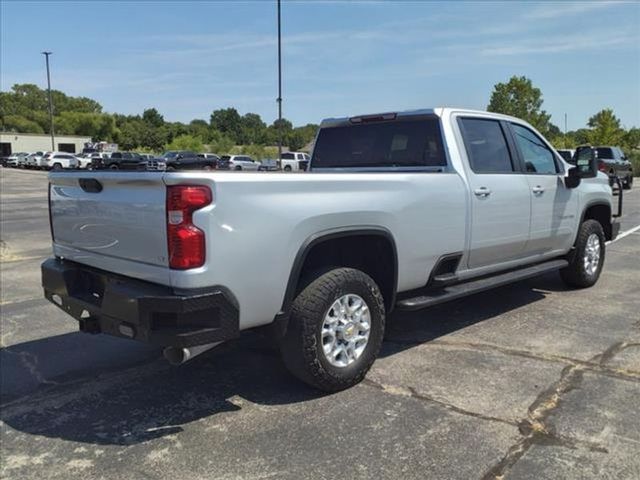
<point>339,58</point>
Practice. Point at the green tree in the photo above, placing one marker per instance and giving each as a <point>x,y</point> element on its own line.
<point>220,143</point>
<point>185,142</point>
<point>631,139</point>
<point>519,98</point>
<point>296,140</point>
<point>227,121</point>
<point>152,117</point>
<point>605,128</point>
<point>252,129</point>
<point>17,123</point>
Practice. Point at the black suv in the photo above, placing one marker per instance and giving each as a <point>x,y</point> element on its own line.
<point>611,160</point>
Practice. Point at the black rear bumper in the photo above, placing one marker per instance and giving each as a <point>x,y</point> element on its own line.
<point>104,302</point>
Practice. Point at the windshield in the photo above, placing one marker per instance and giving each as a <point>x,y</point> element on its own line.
<point>400,143</point>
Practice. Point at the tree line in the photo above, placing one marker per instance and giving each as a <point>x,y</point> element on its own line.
<point>519,98</point>
<point>24,109</point>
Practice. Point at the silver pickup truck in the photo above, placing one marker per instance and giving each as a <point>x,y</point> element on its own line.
<point>398,211</point>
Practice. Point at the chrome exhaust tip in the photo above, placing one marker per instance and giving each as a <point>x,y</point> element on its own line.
<point>178,356</point>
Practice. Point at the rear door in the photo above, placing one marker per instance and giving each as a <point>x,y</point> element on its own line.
<point>553,206</point>
<point>500,199</point>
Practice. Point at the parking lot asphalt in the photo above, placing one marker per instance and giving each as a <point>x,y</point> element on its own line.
<point>528,381</point>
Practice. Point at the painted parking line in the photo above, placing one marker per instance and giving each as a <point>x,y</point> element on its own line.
<point>621,235</point>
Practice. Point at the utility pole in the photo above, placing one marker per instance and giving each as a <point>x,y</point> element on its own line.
<point>565,130</point>
<point>53,143</point>
<point>279,91</point>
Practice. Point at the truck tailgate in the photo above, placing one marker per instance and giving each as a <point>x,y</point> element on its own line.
<point>112,215</point>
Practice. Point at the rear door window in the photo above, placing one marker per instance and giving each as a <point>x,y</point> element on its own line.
<point>486,146</point>
<point>399,143</point>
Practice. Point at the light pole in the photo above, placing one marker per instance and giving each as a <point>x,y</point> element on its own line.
<point>279,100</point>
<point>53,144</point>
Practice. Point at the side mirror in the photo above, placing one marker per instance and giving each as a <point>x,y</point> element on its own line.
<point>573,178</point>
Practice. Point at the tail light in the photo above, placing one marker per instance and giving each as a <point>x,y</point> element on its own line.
<point>186,241</point>
<point>602,166</point>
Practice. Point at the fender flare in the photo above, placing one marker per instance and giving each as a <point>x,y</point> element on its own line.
<point>282,317</point>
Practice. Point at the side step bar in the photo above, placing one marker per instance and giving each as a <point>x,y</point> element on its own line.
<point>476,286</point>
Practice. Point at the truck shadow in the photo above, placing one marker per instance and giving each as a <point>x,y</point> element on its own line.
<point>142,398</point>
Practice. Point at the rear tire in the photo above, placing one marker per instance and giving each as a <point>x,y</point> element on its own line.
<point>113,166</point>
<point>325,344</point>
<point>56,166</point>
<point>287,168</point>
<point>587,257</point>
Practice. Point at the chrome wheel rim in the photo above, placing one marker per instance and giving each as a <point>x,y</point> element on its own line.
<point>345,330</point>
<point>592,254</point>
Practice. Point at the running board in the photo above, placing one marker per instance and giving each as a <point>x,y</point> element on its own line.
<point>460,290</point>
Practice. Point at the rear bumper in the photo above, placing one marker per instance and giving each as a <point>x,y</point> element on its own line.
<point>104,302</point>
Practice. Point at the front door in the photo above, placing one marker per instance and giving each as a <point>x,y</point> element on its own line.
<point>500,198</point>
<point>553,206</point>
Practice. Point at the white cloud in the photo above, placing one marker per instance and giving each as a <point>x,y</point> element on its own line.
<point>557,45</point>
<point>565,9</point>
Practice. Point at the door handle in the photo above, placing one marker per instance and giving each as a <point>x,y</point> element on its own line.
<point>482,192</point>
<point>537,190</point>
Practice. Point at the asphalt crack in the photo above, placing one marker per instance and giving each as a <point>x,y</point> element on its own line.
<point>595,364</point>
<point>412,393</point>
<point>535,429</point>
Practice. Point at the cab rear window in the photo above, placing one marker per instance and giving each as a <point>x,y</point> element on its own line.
<point>398,143</point>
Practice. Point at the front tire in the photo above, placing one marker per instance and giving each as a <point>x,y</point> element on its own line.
<point>587,258</point>
<point>335,330</point>
<point>628,183</point>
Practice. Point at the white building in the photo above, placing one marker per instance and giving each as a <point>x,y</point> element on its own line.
<point>11,142</point>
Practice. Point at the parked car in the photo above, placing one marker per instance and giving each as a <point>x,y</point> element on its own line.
<point>33,160</point>
<point>295,161</point>
<point>17,160</point>
<point>153,165</point>
<point>403,211</point>
<point>566,154</point>
<point>237,162</point>
<point>211,157</point>
<point>268,165</point>
<point>86,159</point>
<point>116,161</point>
<point>187,160</point>
<point>59,161</point>
<point>611,160</point>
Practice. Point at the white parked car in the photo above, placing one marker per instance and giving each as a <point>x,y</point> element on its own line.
<point>85,159</point>
<point>17,159</point>
<point>295,161</point>
<point>33,160</point>
<point>237,162</point>
<point>59,160</point>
